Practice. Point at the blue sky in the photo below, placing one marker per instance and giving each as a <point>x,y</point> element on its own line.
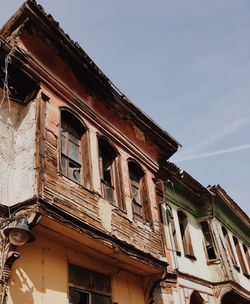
<point>186,64</point>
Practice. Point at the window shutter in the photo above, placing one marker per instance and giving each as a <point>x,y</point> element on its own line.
<point>119,184</point>
<point>188,243</point>
<point>145,199</point>
<point>86,160</point>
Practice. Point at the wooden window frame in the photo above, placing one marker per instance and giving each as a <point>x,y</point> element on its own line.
<point>209,244</point>
<point>185,235</point>
<point>172,229</point>
<point>247,256</point>
<point>138,175</point>
<point>243,266</point>
<point>230,248</point>
<point>72,127</point>
<point>89,289</point>
<point>114,169</point>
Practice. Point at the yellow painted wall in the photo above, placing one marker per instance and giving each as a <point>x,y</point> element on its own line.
<point>40,275</point>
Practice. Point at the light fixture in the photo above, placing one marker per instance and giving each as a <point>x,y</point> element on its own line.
<point>20,234</point>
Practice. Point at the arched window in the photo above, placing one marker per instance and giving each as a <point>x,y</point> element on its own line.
<point>109,171</point>
<point>185,235</point>
<point>140,202</point>
<point>74,160</point>
<point>229,247</point>
<point>240,256</point>
<point>208,239</point>
<point>196,298</point>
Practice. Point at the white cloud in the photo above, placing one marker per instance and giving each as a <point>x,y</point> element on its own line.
<point>214,153</point>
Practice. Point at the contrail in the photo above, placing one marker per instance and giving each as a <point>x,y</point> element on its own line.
<point>219,152</point>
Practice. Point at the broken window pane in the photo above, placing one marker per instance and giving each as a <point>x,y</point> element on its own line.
<point>74,172</point>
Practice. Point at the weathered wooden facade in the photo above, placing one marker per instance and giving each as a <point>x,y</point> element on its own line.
<point>89,172</point>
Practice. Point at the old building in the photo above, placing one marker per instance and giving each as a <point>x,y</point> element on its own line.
<point>208,236</point>
<point>88,194</point>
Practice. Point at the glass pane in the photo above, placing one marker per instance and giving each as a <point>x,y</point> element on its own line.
<point>73,135</point>
<point>101,282</point>
<point>78,297</point>
<point>63,126</point>
<point>84,298</point>
<point>135,194</point>
<point>74,152</point>
<point>74,297</point>
<point>63,144</point>
<point>79,276</point>
<point>108,193</point>
<point>74,172</point>
<point>98,299</point>
<point>137,209</point>
<point>107,176</point>
<point>63,165</point>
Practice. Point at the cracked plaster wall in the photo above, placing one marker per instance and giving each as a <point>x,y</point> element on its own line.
<point>17,152</point>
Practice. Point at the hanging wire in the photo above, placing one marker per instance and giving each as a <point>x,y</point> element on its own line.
<point>6,91</point>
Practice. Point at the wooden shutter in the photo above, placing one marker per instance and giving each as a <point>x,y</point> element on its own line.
<point>87,176</point>
<point>145,199</point>
<point>188,243</point>
<point>118,184</point>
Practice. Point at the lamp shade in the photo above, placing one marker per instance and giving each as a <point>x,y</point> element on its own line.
<point>20,234</point>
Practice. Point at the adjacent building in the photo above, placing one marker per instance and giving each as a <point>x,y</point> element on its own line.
<point>85,174</point>
<point>208,236</point>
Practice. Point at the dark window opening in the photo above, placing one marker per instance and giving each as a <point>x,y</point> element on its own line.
<point>208,239</point>
<point>21,86</point>
<point>196,298</point>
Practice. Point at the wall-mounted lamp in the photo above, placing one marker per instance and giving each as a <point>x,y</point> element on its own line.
<point>20,234</point>
<point>14,236</point>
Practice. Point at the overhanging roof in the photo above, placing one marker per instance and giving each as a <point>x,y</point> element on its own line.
<point>32,13</point>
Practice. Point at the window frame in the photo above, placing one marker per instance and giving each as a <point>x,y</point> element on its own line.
<point>143,203</point>
<point>185,235</point>
<point>240,257</point>
<point>172,228</point>
<point>73,122</point>
<point>230,248</point>
<point>115,183</point>
<point>247,259</point>
<point>89,290</point>
<point>208,243</point>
